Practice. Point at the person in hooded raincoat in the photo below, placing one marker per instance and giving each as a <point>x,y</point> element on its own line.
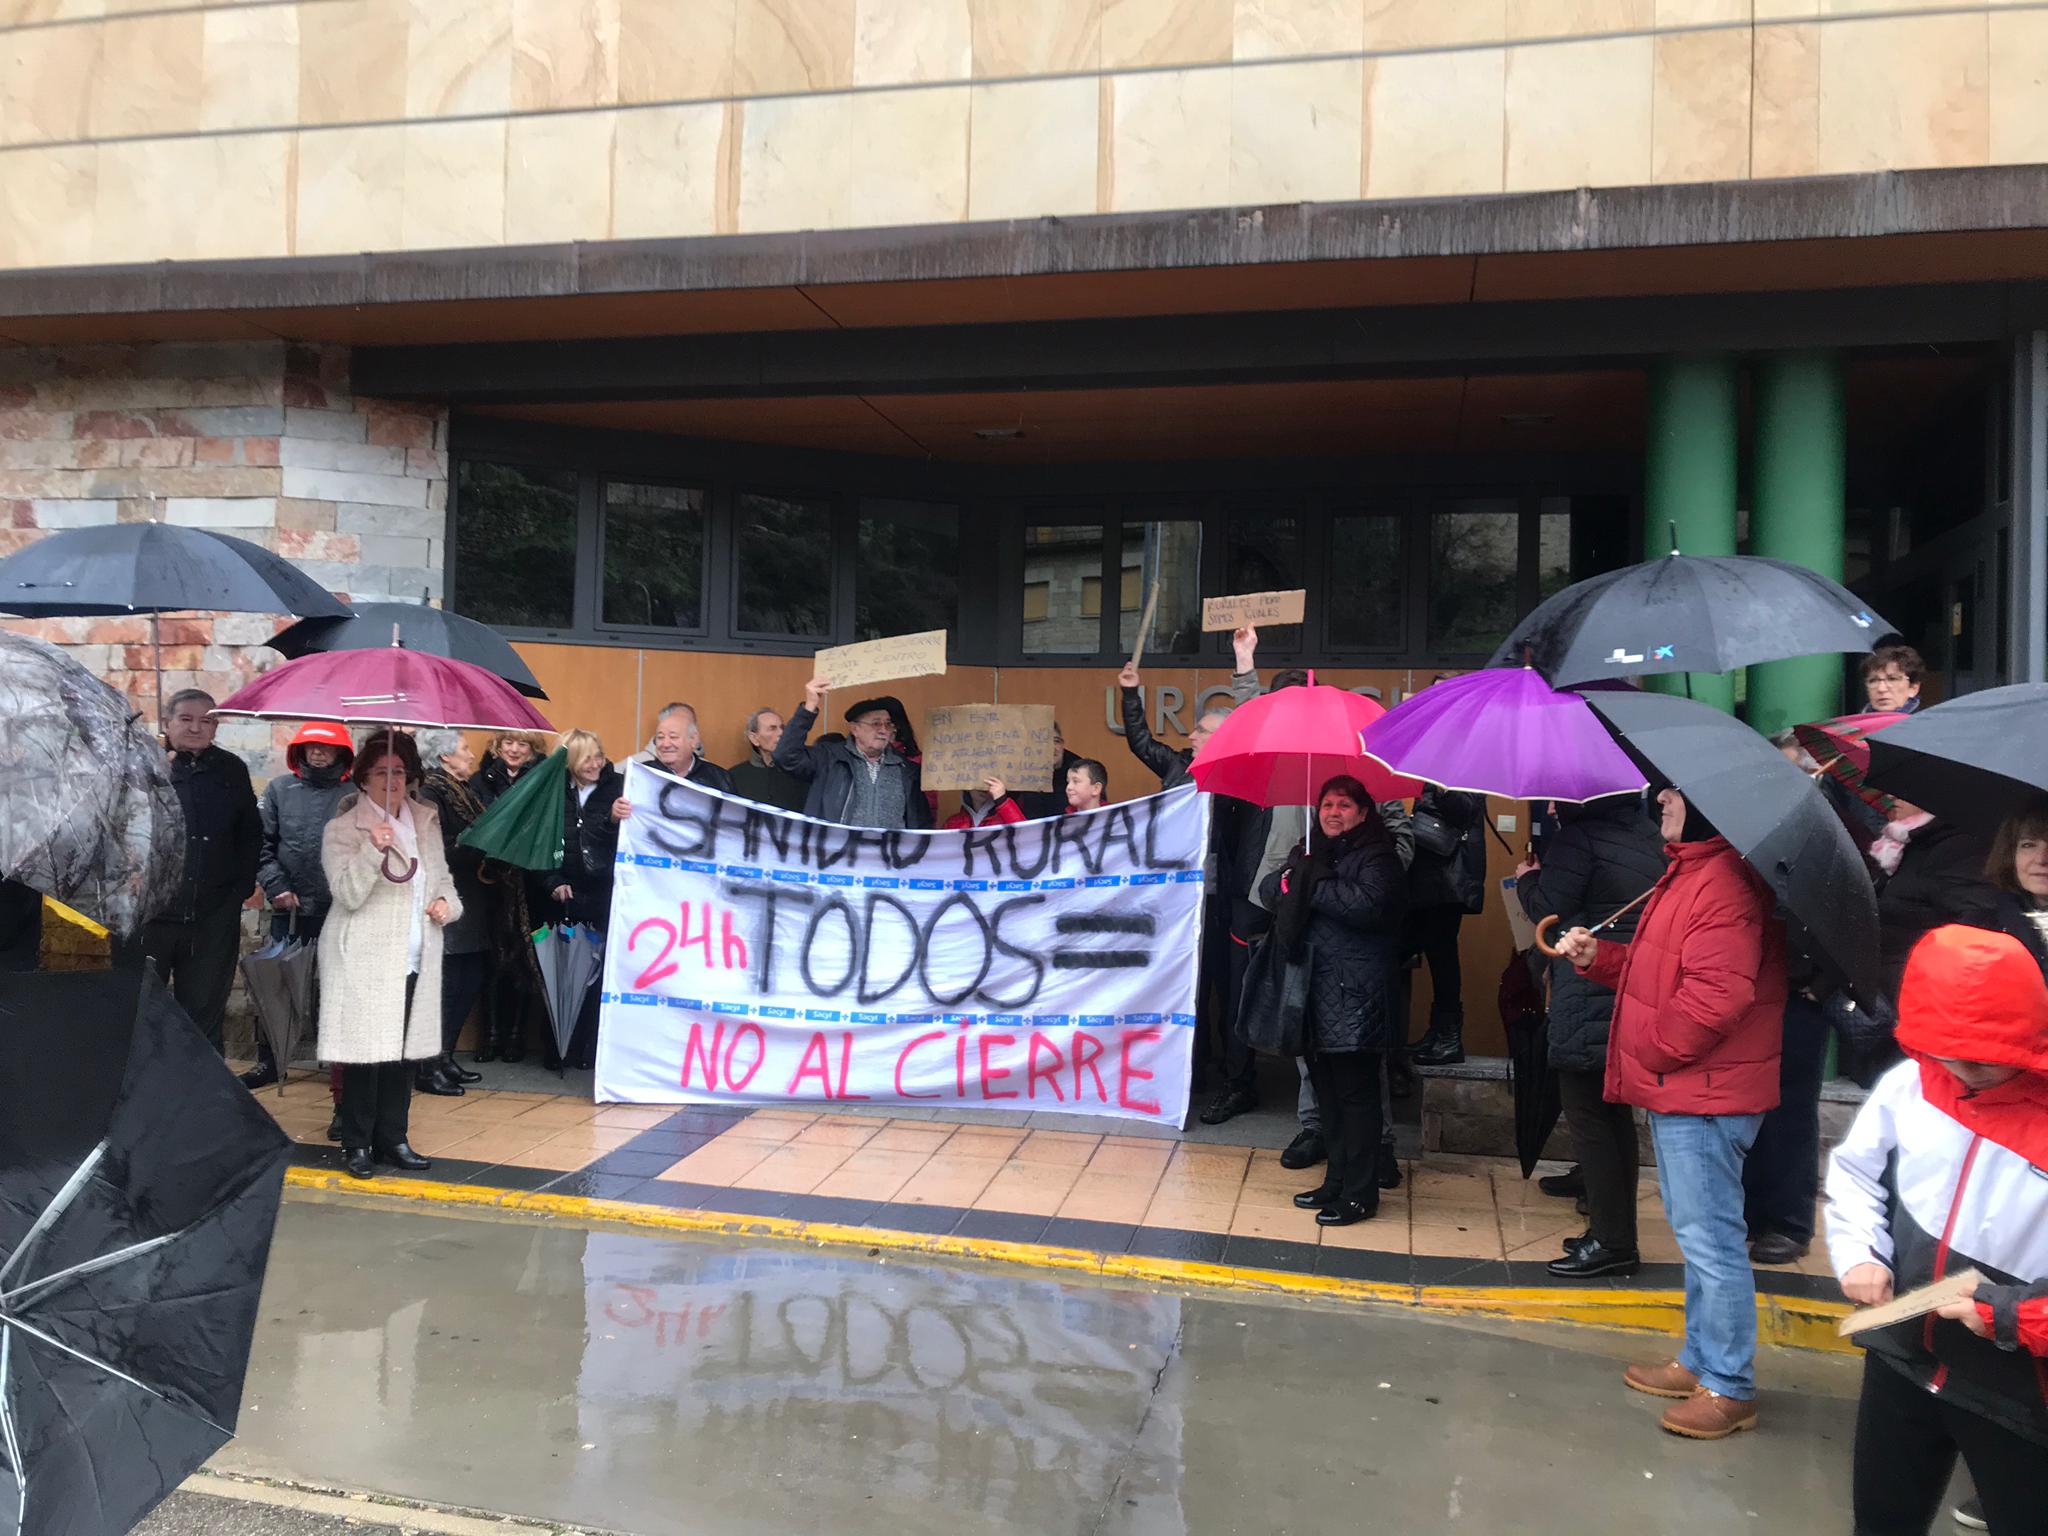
<point>295,810</point>
<point>1946,1169</point>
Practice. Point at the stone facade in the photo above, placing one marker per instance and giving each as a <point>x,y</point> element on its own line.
<point>259,440</point>
<point>152,131</point>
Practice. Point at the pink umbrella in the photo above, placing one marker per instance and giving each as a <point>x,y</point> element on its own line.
<point>1279,748</point>
<point>389,685</point>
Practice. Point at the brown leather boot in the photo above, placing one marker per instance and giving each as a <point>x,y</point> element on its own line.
<point>1707,1415</point>
<point>1667,1380</point>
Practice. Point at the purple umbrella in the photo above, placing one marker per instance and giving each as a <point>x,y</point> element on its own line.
<point>1503,731</point>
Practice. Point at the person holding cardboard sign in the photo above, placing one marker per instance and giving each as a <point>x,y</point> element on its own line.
<point>1942,1171</point>
<point>862,781</point>
<point>1227,890</point>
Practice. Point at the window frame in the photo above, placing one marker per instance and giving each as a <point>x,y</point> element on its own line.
<point>705,582</point>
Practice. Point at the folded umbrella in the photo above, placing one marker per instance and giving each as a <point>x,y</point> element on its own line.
<point>1842,748</point>
<point>1539,1099</point>
<point>279,980</point>
<point>569,962</point>
<point>524,826</point>
<point>1774,815</point>
<point>1506,732</point>
<point>87,811</point>
<point>429,631</point>
<point>1279,748</point>
<point>386,686</point>
<point>1972,760</point>
<point>1689,613</point>
<point>139,1185</point>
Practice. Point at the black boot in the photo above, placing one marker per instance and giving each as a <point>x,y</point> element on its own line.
<point>359,1164</point>
<point>403,1156</point>
<point>1389,1171</point>
<point>1566,1186</point>
<point>334,1127</point>
<point>1344,1213</point>
<point>512,1033</point>
<point>450,1067</point>
<point>430,1079</point>
<point>264,1073</point>
<point>1319,1198</point>
<point>1444,1045</point>
<point>1305,1151</point>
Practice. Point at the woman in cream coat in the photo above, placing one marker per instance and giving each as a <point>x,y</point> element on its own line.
<point>380,951</point>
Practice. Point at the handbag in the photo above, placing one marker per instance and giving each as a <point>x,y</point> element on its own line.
<point>1272,1010</point>
<point>1433,835</point>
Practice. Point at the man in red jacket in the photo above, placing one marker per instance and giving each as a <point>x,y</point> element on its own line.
<point>1698,1023</point>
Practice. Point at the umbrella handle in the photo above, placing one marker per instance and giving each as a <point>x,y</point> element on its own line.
<point>1543,936</point>
<point>412,867</point>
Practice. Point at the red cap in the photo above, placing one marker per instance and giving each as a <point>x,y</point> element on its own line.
<point>323,733</point>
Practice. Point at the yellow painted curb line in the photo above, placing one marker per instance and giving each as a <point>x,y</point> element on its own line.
<point>1797,1322</point>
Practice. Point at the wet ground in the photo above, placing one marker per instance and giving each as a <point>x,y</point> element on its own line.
<point>655,1385</point>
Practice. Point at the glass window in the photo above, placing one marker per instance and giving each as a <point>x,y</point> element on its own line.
<point>1366,589</point>
<point>1474,549</point>
<point>1169,553</point>
<point>907,576</point>
<point>515,545</point>
<point>653,556</point>
<point>1065,560</point>
<point>785,565</point>
<point>1263,554</point>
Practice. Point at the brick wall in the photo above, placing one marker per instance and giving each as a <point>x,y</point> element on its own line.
<point>261,440</point>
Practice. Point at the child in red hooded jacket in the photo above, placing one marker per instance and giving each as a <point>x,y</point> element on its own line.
<point>1945,1169</point>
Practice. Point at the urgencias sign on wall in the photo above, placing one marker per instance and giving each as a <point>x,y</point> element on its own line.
<point>757,957</point>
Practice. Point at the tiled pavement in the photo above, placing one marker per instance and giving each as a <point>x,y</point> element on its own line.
<point>1458,1221</point>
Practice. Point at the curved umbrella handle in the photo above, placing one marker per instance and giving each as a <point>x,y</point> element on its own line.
<point>1543,936</point>
<point>412,867</point>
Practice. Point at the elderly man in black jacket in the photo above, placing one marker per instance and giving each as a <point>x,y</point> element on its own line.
<point>860,782</point>
<point>197,939</point>
<point>1226,879</point>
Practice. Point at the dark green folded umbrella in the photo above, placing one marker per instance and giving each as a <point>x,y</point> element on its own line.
<point>523,827</point>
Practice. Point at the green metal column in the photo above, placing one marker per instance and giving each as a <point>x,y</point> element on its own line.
<point>1689,480</point>
<point>1797,515</point>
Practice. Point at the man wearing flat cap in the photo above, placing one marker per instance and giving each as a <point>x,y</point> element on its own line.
<point>862,781</point>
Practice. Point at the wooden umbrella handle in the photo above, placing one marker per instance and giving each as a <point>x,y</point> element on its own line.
<point>1543,936</point>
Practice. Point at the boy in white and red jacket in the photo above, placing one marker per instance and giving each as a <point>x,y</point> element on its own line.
<point>1946,1169</point>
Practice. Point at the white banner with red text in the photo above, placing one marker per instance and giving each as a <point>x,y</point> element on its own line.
<point>756,957</point>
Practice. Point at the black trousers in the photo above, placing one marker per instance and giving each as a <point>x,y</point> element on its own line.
<point>1433,933</point>
<point>1781,1178</point>
<point>1347,1085</point>
<point>376,1097</point>
<point>462,979</point>
<point>1907,1440</point>
<point>197,960</point>
<point>1604,1142</point>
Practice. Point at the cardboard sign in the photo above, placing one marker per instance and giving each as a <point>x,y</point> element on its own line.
<point>878,661</point>
<point>1913,1304</point>
<point>1258,608</point>
<point>757,957</point>
<point>966,743</point>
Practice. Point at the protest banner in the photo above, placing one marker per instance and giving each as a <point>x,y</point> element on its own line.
<point>880,661</point>
<point>1258,609</point>
<point>756,957</point>
<point>966,743</point>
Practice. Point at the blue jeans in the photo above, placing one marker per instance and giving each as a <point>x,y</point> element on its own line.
<point>1699,1172</point>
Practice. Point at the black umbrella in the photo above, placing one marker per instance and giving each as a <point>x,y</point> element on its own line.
<point>155,568</point>
<point>1689,613</point>
<point>1971,760</point>
<point>1538,1097</point>
<point>1774,815</point>
<point>139,1183</point>
<point>419,628</point>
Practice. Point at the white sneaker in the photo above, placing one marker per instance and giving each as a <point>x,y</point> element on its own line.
<point>1970,1516</point>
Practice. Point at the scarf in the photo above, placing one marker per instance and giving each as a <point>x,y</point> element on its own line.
<point>1890,846</point>
<point>460,798</point>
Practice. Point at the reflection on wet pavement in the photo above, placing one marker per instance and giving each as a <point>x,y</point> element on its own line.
<point>657,1385</point>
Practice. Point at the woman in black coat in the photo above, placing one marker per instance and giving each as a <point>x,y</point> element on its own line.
<point>1602,857</point>
<point>2019,868</point>
<point>1342,901</point>
<point>582,888</point>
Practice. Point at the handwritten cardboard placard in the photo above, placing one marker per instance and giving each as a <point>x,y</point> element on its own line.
<point>1926,1299</point>
<point>878,661</point>
<point>1257,608</point>
<point>966,743</point>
